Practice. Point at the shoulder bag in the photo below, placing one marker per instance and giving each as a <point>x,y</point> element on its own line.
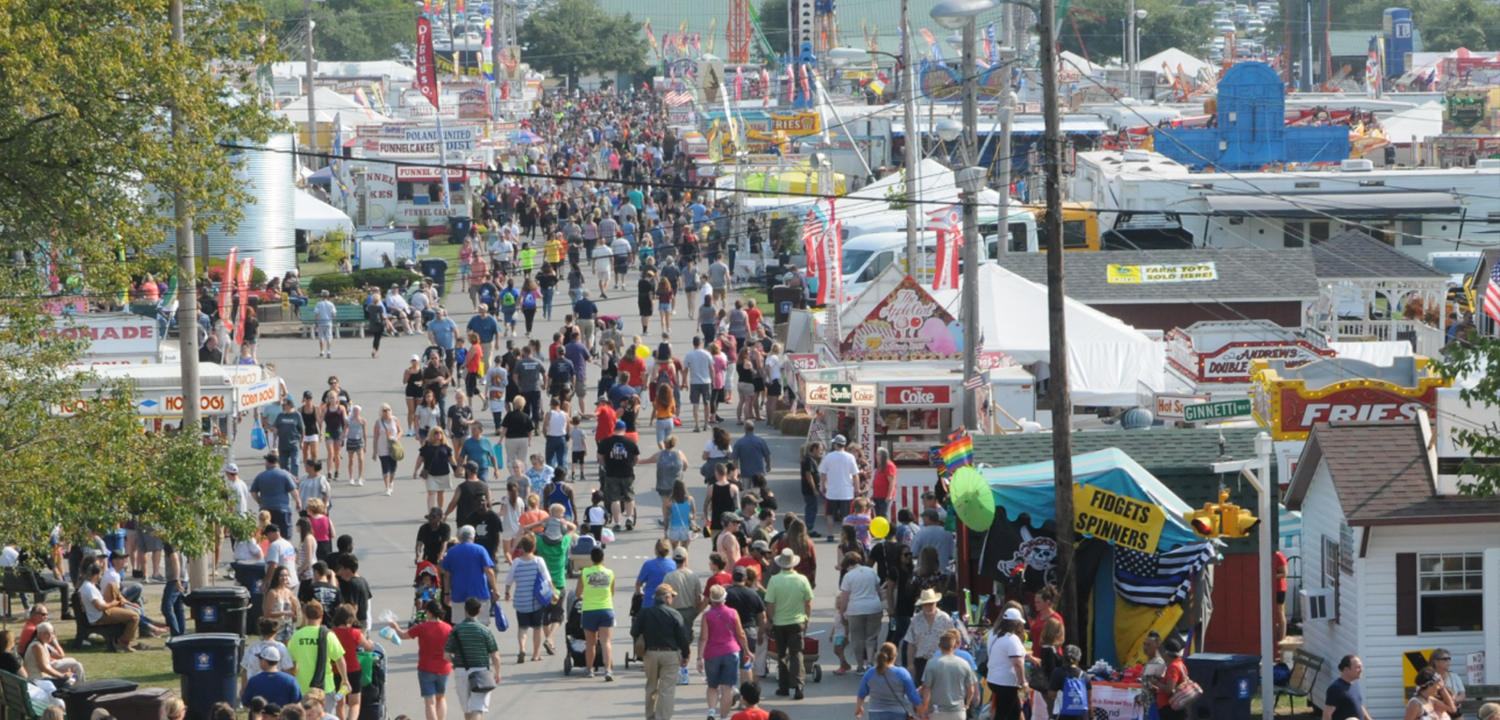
<point>320,672</point>
<point>481,680</point>
<point>1187,693</point>
<point>398,453</point>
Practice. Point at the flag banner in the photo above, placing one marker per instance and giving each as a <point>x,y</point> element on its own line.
<point>1016,551</point>
<point>992,46</point>
<point>957,454</point>
<point>791,83</point>
<point>812,245</point>
<point>226,285</point>
<point>651,38</point>
<point>765,87</point>
<point>1162,578</point>
<point>739,84</point>
<point>426,65</point>
<point>242,289</point>
<point>1492,293</point>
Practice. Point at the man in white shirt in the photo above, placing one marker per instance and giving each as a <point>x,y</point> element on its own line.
<point>839,472</point>
<point>324,313</point>
<point>421,303</point>
<point>397,308</point>
<point>281,552</point>
<point>239,488</point>
<point>620,247</point>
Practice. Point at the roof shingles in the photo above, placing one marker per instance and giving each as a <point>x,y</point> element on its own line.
<point>1353,254</point>
<point>1243,274</point>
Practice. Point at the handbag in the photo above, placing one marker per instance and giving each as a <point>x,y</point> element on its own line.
<point>502,623</point>
<point>481,680</point>
<point>257,438</point>
<point>543,591</point>
<point>398,453</point>
<point>1187,693</point>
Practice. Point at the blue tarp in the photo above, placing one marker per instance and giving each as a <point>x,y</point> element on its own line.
<point>1029,489</point>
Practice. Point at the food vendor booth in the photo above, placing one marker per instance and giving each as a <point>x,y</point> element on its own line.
<point>226,393</point>
<point>893,380</point>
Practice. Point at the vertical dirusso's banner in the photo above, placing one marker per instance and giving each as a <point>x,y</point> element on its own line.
<point>426,66</point>
<point>226,284</point>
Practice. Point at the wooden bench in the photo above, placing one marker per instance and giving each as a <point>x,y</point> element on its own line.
<point>110,633</point>
<point>345,317</point>
<point>1476,695</point>
<point>15,699</point>
<point>1305,670</point>
<point>20,582</point>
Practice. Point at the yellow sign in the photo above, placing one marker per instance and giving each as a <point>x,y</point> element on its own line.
<point>1117,519</point>
<point>1412,662</point>
<point>807,123</point>
<point>1281,401</point>
<point>1137,274</point>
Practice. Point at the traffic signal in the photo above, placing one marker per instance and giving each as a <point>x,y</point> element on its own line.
<point>1221,519</point>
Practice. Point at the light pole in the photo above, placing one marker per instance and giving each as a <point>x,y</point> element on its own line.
<point>1134,37</point>
<point>913,136</point>
<point>953,15</point>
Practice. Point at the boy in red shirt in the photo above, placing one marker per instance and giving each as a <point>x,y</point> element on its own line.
<point>750,693</point>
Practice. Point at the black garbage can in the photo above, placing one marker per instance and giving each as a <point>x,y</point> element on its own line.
<point>218,609</point>
<point>783,300</point>
<point>208,666</point>
<point>252,577</point>
<point>80,697</point>
<point>436,270</point>
<point>1228,682</point>
<point>143,704</point>
<point>458,228</point>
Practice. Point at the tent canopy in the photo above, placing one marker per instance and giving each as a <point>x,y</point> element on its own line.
<point>318,217</point>
<point>1029,489</point>
<point>1173,58</point>
<point>1109,362</point>
<point>1418,123</point>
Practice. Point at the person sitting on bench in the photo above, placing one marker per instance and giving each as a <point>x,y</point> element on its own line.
<point>114,612</point>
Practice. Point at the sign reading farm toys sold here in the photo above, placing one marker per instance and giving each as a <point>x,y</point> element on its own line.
<point>1118,519</point>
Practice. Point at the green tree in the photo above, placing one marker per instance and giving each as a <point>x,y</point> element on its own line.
<point>1452,24</point>
<point>1094,28</point>
<point>85,158</point>
<point>346,30</point>
<point>574,37</point>
<point>1478,358</point>
<point>773,24</point>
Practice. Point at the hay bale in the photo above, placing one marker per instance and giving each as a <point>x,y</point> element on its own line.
<point>795,425</point>
<point>776,417</point>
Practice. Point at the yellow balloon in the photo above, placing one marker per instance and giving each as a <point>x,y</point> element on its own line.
<point>880,527</point>
<point>642,352</point>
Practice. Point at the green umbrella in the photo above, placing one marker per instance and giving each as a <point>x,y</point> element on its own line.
<point>972,498</point>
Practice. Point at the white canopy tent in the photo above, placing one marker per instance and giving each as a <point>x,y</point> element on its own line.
<point>1172,59</point>
<point>1109,362</point>
<point>1414,124</point>
<point>349,110</point>
<point>318,217</point>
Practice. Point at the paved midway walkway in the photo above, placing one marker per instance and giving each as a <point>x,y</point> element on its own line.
<point>384,531</point>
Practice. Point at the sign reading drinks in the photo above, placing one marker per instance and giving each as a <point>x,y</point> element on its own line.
<point>907,325</point>
<point>1117,519</point>
<point>1137,274</point>
<point>845,394</point>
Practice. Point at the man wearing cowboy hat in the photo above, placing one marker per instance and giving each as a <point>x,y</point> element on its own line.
<point>926,628</point>
<point>789,603</point>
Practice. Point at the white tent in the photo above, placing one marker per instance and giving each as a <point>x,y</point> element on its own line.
<point>349,110</point>
<point>1077,63</point>
<point>1415,124</point>
<point>318,217</point>
<point>1109,362</point>
<point>1173,58</point>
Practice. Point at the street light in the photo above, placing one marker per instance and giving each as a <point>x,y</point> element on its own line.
<point>949,129</point>
<point>955,15</point>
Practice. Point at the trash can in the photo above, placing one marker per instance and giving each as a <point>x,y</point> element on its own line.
<point>80,697</point>
<point>142,704</point>
<point>458,228</point>
<point>436,270</point>
<point>783,300</point>
<point>218,609</point>
<point>252,577</point>
<point>208,666</point>
<point>1228,682</point>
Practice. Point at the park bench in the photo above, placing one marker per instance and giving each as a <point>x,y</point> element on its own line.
<point>110,633</point>
<point>15,699</point>
<point>1305,669</point>
<point>20,582</point>
<point>345,317</point>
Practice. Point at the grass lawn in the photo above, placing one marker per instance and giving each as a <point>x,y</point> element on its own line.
<point>447,252</point>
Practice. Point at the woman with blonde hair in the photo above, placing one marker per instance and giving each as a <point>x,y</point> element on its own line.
<point>435,465</point>
<point>385,441</point>
<point>891,692</point>
<point>322,527</point>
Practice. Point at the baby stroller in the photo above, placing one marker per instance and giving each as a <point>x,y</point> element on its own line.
<point>635,609</point>
<point>576,640</point>
<point>582,545</point>
<point>810,650</point>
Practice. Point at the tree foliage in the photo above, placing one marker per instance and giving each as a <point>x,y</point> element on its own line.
<point>86,168</point>
<point>574,37</point>
<point>1444,24</point>
<point>1478,360</point>
<point>347,30</point>
<point>1168,24</point>
<point>773,24</point>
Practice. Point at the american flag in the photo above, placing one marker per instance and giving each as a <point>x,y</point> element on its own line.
<point>1160,579</point>
<point>676,98</point>
<point>1492,293</point>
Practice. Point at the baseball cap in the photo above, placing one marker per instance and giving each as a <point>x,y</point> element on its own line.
<point>679,553</point>
<point>269,653</point>
<point>739,572</point>
<point>416,357</point>
<point>761,545</point>
<point>839,440</point>
<point>619,424</point>
<point>1012,614</point>
<point>232,469</point>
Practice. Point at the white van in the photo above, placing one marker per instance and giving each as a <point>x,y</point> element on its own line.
<point>866,256</point>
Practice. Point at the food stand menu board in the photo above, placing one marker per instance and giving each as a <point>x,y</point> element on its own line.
<point>914,417</point>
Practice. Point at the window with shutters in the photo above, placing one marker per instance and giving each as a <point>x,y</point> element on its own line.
<point>1450,592</point>
<point>1331,572</point>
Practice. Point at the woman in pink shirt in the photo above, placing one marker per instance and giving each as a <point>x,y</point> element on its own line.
<point>884,490</point>
<point>721,365</point>
<point>719,644</point>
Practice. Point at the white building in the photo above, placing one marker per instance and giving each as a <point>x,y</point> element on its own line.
<point>1418,210</point>
<point>1401,563</point>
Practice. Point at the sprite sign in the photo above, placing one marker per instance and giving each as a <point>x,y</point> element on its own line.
<point>1216,410</point>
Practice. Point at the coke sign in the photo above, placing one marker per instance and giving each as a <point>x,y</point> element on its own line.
<point>804,361</point>
<point>917,395</point>
<point>844,394</point>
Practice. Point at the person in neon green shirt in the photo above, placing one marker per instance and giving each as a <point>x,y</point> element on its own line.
<point>303,647</point>
<point>596,585</point>
<point>528,257</point>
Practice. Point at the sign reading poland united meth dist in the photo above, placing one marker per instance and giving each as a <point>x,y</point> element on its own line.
<point>1118,519</point>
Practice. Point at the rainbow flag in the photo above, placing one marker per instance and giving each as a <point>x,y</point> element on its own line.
<point>957,453</point>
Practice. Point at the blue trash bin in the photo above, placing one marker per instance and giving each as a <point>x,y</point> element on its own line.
<point>208,666</point>
<point>252,577</point>
<point>1228,682</point>
<point>219,609</point>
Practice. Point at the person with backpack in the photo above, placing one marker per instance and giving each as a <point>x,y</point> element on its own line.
<point>1069,693</point>
<point>509,299</point>
<point>316,651</point>
<point>530,298</point>
<point>560,376</point>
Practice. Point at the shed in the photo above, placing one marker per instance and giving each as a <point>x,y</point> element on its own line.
<point>1369,290</point>
<point>1246,284</point>
<point>1400,568</point>
<point>1183,461</point>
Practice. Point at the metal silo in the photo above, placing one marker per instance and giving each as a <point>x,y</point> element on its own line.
<point>267,227</point>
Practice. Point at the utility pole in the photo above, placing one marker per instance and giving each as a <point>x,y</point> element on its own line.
<point>1130,49</point>
<point>971,180</point>
<point>1007,113</point>
<point>1057,387</point>
<point>913,136</point>
<point>187,299</point>
<point>307,68</point>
